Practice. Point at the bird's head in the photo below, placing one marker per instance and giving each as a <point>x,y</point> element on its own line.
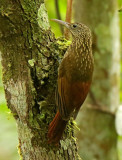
<point>78,30</point>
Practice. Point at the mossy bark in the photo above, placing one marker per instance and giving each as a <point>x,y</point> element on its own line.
<point>30,59</point>
<point>98,137</point>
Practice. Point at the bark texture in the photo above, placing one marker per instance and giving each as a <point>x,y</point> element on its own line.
<point>30,58</point>
<point>98,137</point>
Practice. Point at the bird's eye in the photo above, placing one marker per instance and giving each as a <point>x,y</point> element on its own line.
<point>74,25</point>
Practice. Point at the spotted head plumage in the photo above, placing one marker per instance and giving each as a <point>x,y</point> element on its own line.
<point>79,31</point>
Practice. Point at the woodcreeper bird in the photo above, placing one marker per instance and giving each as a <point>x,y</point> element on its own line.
<point>74,78</point>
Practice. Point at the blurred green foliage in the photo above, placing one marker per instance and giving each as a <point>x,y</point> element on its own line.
<point>50,5</point>
<point>8,130</point>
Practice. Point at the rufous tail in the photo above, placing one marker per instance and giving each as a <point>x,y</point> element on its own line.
<point>56,129</point>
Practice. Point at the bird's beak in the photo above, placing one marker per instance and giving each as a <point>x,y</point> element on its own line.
<point>66,24</point>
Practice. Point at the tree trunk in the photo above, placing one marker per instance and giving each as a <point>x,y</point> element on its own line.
<point>30,55</point>
<point>98,137</point>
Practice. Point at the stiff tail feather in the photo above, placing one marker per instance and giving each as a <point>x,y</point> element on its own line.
<point>56,129</point>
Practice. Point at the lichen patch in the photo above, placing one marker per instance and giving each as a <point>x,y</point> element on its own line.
<point>43,18</point>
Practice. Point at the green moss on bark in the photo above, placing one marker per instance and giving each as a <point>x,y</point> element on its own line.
<point>31,56</point>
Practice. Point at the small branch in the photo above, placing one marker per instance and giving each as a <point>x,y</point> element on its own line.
<point>93,99</point>
<point>120,10</point>
<point>103,109</point>
<point>97,106</point>
<point>58,14</point>
<point>68,17</point>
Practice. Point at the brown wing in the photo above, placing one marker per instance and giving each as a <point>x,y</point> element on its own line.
<point>70,96</point>
<point>62,98</point>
